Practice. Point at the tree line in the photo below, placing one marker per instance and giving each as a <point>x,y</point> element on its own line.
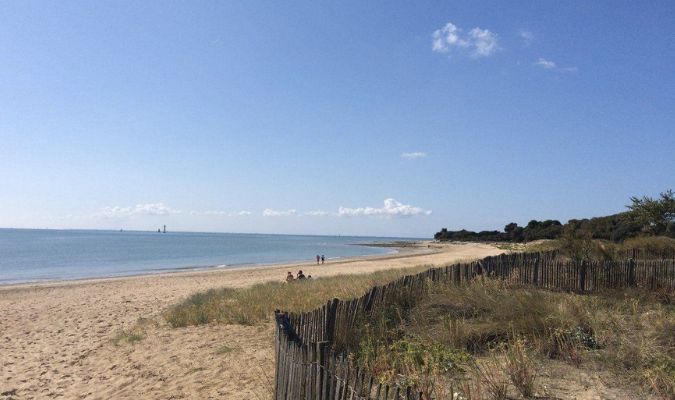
<point>645,216</point>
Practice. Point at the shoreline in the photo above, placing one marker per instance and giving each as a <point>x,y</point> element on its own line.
<point>36,256</point>
<point>71,339</point>
<point>403,251</point>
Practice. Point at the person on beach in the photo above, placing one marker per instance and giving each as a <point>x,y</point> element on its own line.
<point>317,259</point>
<point>300,275</point>
<point>309,276</point>
<point>289,277</point>
<point>323,258</point>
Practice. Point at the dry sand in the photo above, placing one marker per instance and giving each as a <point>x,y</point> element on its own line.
<point>57,340</point>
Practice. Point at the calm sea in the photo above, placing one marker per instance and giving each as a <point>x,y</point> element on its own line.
<point>28,255</point>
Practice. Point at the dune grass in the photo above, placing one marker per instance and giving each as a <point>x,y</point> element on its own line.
<point>489,333</point>
<point>480,338</point>
<point>135,333</point>
<point>651,243</point>
<point>605,249</point>
<point>248,306</point>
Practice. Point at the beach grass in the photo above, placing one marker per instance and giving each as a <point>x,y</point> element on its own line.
<point>492,329</point>
<point>130,336</point>
<point>475,337</point>
<point>255,304</point>
<point>605,249</point>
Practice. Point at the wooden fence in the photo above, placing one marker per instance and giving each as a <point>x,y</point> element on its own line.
<point>312,347</point>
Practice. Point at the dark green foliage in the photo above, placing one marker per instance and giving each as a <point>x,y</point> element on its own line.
<point>656,216</point>
<point>549,229</point>
<point>646,216</point>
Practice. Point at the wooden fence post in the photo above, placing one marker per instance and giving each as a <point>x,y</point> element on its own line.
<point>306,363</point>
<point>631,273</point>
<point>582,276</point>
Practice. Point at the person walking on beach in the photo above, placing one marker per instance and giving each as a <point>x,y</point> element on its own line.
<point>323,258</point>
<point>289,277</point>
<point>318,258</point>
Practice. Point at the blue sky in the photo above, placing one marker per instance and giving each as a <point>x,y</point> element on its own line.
<point>305,117</point>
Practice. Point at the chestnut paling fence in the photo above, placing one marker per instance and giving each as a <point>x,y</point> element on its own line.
<point>311,348</point>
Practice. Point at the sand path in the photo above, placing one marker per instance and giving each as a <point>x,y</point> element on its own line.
<point>57,339</point>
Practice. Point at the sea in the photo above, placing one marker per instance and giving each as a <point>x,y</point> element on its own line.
<point>35,255</point>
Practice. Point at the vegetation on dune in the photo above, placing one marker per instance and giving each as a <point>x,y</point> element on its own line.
<point>645,216</point>
<point>579,246</point>
<point>484,340</point>
<point>488,337</point>
<point>657,216</point>
<point>257,303</point>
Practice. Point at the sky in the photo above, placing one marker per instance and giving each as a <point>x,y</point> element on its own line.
<point>315,117</point>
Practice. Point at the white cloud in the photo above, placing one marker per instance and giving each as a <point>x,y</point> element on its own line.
<point>414,155</point>
<point>317,213</point>
<point>210,213</point>
<point>479,42</point>
<point>446,37</point>
<point>484,41</point>
<point>552,66</point>
<point>138,209</point>
<point>221,213</point>
<point>268,212</point>
<point>391,209</point>
<point>544,63</point>
<point>526,36</point>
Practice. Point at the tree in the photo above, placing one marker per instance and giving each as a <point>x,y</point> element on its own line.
<point>577,243</point>
<point>513,232</point>
<point>655,215</point>
<point>509,228</point>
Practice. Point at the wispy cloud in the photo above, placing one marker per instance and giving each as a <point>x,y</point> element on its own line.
<point>137,210</point>
<point>221,213</point>
<point>268,212</point>
<point>478,42</point>
<point>526,37</point>
<point>317,213</point>
<point>392,209</point>
<point>413,155</point>
<point>544,63</point>
<point>552,66</point>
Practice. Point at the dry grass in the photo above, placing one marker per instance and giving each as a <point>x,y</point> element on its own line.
<point>481,316</point>
<point>629,333</point>
<point>134,334</point>
<point>653,244</point>
<point>478,340</point>
<point>520,367</point>
<point>490,373</point>
<point>608,250</point>
<point>257,303</point>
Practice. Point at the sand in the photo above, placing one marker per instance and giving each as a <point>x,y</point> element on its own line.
<point>60,339</point>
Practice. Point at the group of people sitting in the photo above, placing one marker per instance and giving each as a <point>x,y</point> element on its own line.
<point>301,276</point>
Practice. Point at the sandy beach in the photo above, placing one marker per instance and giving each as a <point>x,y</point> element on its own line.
<point>57,340</point>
